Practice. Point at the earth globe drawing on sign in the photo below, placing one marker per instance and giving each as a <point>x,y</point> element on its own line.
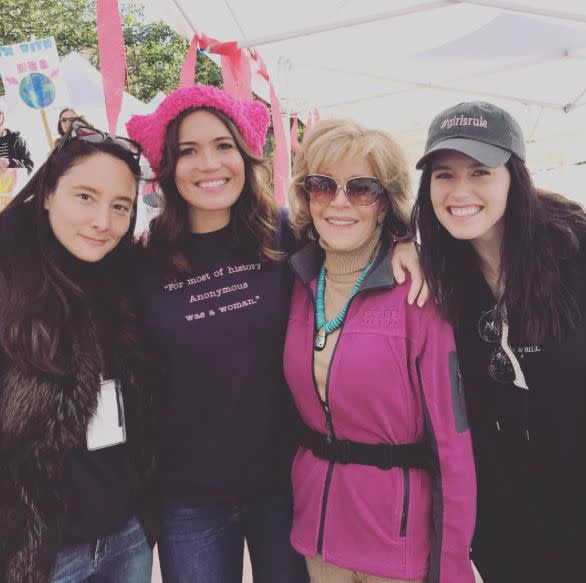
<point>37,90</point>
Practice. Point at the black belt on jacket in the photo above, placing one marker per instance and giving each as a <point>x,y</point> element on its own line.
<point>381,455</point>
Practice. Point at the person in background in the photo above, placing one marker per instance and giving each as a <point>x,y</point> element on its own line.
<point>506,262</point>
<point>66,117</point>
<point>14,151</point>
<point>383,483</point>
<point>75,441</point>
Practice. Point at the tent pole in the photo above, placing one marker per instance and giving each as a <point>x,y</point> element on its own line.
<point>528,9</point>
<point>421,7</point>
<point>482,73</point>
<point>187,19</point>
<point>574,103</point>
<point>484,94</point>
<point>236,21</point>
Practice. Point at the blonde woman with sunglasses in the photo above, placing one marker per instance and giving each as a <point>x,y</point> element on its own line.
<point>383,483</point>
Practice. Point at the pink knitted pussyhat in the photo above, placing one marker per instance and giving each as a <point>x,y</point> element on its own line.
<point>250,117</point>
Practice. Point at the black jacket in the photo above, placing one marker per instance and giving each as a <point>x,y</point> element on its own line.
<point>43,417</point>
<point>529,444</point>
<point>18,154</point>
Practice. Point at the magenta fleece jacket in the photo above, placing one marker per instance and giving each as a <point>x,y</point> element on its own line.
<point>394,378</point>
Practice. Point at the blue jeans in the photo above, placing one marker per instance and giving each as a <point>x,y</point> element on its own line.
<point>123,557</point>
<point>205,544</point>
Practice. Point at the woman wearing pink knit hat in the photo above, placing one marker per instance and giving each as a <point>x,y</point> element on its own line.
<point>215,289</point>
<point>215,292</point>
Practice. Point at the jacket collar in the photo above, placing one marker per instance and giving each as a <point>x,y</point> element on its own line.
<point>307,263</point>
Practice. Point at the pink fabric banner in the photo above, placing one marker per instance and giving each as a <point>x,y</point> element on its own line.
<point>308,125</point>
<point>294,135</point>
<point>112,58</point>
<point>206,42</point>
<point>187,77</point>
<point>280,157</point>
<point>235,70</point>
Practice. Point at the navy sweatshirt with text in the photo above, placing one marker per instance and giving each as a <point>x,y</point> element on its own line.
<point>226,420</point>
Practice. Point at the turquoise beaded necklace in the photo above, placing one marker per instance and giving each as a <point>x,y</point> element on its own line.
<point>324,327</point>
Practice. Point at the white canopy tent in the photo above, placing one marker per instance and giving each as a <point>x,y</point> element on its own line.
<point>395,65</point>
<point>85,86</point>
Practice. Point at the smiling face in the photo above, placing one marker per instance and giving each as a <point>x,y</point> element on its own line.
<point>210,171</point>
<point>469,199</point>
<point>340,225</point>
<point>90,209</point>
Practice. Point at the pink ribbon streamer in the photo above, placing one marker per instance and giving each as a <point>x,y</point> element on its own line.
<point>280,157</point>
<point>206,42</point>
<point>308,125</point>
<point>236,72</point>
<point>112,58</point>
<point>187,77</point>
<point>294,135</point>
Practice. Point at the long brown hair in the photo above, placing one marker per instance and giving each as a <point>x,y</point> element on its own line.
<point>542,231</point>
<point>37,296</point>
<point>253,215</point>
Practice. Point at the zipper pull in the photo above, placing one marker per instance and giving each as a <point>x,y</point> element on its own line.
<point>329,426</point>
<point>329,432</point>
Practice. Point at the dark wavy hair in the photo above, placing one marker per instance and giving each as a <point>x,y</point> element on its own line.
<point>542,230</point>
<point>253,215</point>
<point>38,297</point>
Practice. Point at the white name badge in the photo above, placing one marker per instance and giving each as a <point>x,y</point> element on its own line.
<point>107,427</point>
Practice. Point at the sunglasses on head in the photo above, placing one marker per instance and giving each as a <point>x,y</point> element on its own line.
<point>92,135</point>
<point>360,191</point>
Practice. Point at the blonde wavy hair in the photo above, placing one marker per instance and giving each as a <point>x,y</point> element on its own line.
<point>331,140</point>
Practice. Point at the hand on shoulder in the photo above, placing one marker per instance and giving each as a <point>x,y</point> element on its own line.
<point>405,258</point>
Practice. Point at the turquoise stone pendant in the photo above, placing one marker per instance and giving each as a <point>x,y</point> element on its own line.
<point>320,339</point>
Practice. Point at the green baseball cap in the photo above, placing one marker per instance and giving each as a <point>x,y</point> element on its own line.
<point>478,129</point>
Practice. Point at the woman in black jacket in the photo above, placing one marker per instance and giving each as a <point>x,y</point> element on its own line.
<point>506,262</point>
<point>75,458</point>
